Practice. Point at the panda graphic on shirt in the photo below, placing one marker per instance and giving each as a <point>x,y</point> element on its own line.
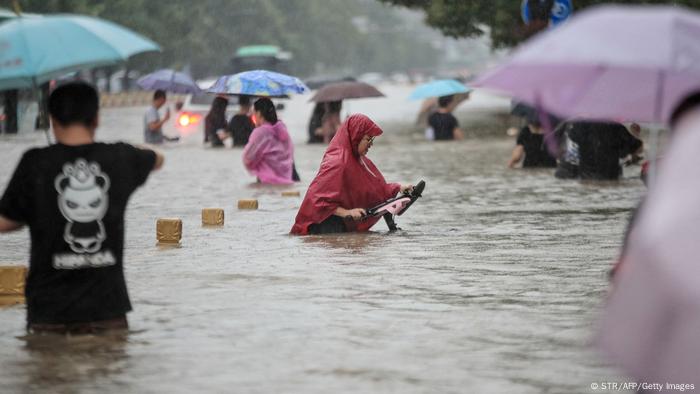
<point>83,200</point>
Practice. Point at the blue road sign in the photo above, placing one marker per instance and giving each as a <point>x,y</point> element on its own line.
<point>561,11</point>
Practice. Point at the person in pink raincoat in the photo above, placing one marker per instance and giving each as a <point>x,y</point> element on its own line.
<point>269,154</point>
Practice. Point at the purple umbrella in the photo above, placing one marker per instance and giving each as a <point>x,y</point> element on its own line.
<point>609,62</point>
<point>651,324</point>
<point>170,81</point>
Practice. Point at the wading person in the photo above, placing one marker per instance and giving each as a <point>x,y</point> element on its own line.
<point>331,120</point>
<point>215,122</point>
<point>269,154</point>
<point>598,148</point>
<point>240,126</point>
<point>444,125</point>
<point>530,148</point>
<point>73,195</point>
<point>346,184</point>
<point>153,124</point>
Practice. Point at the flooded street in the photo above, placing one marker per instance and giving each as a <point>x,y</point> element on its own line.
<point>493,285</point>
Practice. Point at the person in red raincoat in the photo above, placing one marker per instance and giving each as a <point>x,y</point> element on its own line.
<point>346,184</point>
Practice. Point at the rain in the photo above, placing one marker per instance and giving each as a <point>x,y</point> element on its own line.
<point>349,196</point>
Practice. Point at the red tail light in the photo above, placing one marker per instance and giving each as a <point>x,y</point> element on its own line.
<point>185,119</point>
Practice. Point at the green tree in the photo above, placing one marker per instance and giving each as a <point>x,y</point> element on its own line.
<point>500,19</point>
<point>204,34</point>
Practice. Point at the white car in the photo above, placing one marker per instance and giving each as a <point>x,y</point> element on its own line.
<point>189,119</point>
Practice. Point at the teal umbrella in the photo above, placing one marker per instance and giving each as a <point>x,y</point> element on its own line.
<point>443,87</point>
<point>36,50</point>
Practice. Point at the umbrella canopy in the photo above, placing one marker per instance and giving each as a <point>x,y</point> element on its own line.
<point>345,90</point>
<point>36,50</point>
<point>652,319</point>
<point>259,83</point>
<point>170,81</point>
<point>319,82</point>
<point>439,88</point>
<point>609,62</point>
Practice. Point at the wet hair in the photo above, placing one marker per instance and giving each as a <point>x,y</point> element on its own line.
<point>444,101</point>
<point>267,109</point>
<point>158,94</point>
<point>217,112</point>
<point>335,106</point>
<point>244,100</point>
<point>689,102</point>
<point>74,103</point>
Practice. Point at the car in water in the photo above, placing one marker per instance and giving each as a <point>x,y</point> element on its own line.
<point>190,113</point>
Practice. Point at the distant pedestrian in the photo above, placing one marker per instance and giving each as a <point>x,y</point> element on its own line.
<point>444,125</point>
<point>331,120</point>
<point>241,126</point>
<point>600,146</point>
<point>269,154</point>
<point>530,147</point>
<point>215,121</point>
<point>315,123</point>
<point>73,195</point>
<point>153,124</point>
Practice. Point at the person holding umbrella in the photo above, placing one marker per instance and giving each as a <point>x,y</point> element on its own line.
<point>330,97</point>
<point>331,120</point>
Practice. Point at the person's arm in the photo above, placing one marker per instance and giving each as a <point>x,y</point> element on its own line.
<point>7,225</point>
<point>516,156</point>
<point>357,213</point>
<point>457,133</point>
<point>157,124</point>
<point>160,159</point>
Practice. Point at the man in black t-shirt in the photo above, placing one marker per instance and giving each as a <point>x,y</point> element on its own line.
<point>73,195</point>
<point>240,126</point>
<point>444,125</point>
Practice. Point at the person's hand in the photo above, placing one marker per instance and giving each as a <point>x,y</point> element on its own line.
<point>405,189</point>
<point>357,213</point>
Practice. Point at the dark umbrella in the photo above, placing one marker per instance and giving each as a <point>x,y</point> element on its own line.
<point>319,82</point>
<point>345,90</point>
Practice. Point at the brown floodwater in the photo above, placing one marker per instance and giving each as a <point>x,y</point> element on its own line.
<point>493,284</point>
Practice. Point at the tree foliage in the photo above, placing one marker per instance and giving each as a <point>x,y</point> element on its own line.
<point>205,33</point>
<point>500,19</point>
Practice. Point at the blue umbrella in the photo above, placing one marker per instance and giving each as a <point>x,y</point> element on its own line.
<point>258,83</point>
<point>36,50</point>
<point>169,80</point>
<point>442,87</point>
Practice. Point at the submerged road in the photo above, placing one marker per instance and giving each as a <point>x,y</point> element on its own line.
<point>492,286</point>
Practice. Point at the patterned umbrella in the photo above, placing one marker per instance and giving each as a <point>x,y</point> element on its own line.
<point>259,83</point>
